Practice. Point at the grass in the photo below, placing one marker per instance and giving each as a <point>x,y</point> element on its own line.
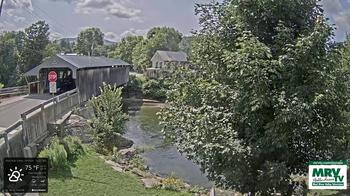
<point>90,175</point>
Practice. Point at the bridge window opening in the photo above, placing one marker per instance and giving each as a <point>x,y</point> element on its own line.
<point>65,81</point>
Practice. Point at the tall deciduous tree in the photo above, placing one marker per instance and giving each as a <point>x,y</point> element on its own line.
<point>36,38</point>
<point>52,49</point>
<point>158,38</point>
<point>8,57</point>
<point>88,40</point>
<point>267,96</point>
<point>125,47</point>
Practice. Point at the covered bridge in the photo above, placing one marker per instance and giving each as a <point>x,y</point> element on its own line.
<point>85,73</point>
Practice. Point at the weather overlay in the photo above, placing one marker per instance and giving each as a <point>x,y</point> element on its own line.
<point>25,175</point>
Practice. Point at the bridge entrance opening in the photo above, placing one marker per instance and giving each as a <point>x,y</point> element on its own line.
<point>65,81</point>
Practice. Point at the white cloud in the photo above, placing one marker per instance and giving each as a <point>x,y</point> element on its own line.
<point>339,13</point>
<point>134,32</point>
<point>111,36</point>
<point>19,18</point>
<point>121,11</point>
<point>18,4</point>
<point>55,35</point>
<point>117,8</point>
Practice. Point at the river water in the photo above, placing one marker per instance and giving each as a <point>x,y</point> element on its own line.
<point>162,158</point>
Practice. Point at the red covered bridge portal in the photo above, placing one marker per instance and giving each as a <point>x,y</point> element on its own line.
<point>82,72</point>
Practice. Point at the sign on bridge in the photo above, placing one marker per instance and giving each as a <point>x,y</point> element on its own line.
<point>53,78</point>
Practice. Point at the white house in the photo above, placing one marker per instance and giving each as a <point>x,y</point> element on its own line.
<point>166,61</point>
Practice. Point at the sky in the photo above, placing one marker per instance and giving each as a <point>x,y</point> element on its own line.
<point>120,18</point>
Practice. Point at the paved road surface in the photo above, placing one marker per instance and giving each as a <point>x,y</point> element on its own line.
<point>11,109</point>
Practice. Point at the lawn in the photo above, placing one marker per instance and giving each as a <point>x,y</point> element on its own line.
<point>91,176</point>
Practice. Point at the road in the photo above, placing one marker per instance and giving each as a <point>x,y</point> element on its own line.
<point>12,108</point>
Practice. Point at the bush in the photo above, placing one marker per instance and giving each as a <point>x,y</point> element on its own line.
<point>73,147</point>
<point>155,89</point>
<point>1,85</point>
<point>59,152</point>
<point>109,118</point>
<point>172,183</point>
<point>56,154</point>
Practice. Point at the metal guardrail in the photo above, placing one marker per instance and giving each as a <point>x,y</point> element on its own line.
<point>19,90</point>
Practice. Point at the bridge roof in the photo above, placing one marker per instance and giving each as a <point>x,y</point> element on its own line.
<point>91,61</point>
<point>75,62</point>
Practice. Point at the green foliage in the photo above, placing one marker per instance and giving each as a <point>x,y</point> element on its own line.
<point>158,38</point>
<point>109,118</point>
<point>138,162</point>
<point>267,92</point>
<point>1,85</point>
<point>73,147</point>
<point>186,45</point>
<point>8,57</point>
<point>61,151</point>
<point>88,40</point>
<point>155,89</point>
<point>125,48</point>
<point>56,154</point>
<point>135,83</point>
<point>52,49</point>
<point>172,183</point>
<point>35,39</point>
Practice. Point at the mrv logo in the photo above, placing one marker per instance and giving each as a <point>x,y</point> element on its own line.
<point>327,175</point>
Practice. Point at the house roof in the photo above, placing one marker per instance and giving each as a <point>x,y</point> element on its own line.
<point>75,62</point>
<point>171,56</point>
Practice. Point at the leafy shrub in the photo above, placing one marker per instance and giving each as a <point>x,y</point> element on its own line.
<point>73,147</point>
<point>135,82</point>
<point>1,85</point>
<point>109,118</point>
<point>59,152</point>
<point>155,89</point>
<point>138,162</point>
<point>172,183</point>
<point>56,154</point>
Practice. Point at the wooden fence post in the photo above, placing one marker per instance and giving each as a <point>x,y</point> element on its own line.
<point>24,130</point>
<point>7,144</point>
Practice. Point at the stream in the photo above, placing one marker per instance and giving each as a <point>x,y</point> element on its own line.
<point>162,158</point>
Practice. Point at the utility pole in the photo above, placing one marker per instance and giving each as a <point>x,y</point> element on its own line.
<point>2,2</point>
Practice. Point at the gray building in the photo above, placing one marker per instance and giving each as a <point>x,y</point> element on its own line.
<point>166,61</point>
<point>82,72</point>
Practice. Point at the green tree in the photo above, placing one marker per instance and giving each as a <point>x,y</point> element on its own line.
<point>125,47</point>
<point>186,45</point>
<point>52,49</point>
<point>8,57</point>
<point>158,38</point>
<point>109,119</point>
<point>35,40</point>
<point>266,94</point>
<point>141,56</point>
<point>88,40</point>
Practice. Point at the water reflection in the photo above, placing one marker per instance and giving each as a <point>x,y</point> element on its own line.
<point>144,130</point>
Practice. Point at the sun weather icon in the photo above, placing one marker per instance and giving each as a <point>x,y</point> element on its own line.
<point>15,175</point>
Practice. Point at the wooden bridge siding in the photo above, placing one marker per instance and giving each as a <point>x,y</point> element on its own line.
<point>89,81</point>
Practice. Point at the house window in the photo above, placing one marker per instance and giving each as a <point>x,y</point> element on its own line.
<point>160,64</point>
<point>156,64</point>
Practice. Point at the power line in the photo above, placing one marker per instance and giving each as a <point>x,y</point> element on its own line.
<point>2,3</point>
<point>54,20</point>
<point>37,17</point>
